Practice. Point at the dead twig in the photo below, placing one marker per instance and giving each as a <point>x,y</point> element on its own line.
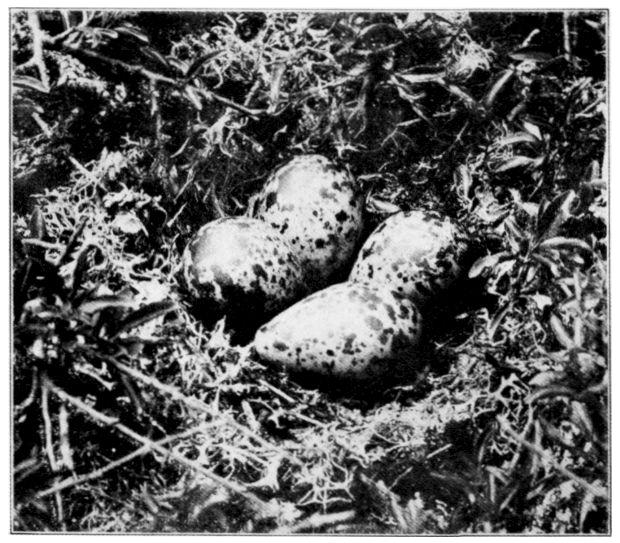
<point>156,115</point>
<point>96,474</point>
<point>34,387</point>
<point>276,391</point>
<point>316,521</point>
<point>49,448</point>
<point>192,403</point>
<point>264,509</point>
<point>159,78</point>
<point>169,390</point>
<point>36,60</point>
<point>66,453</point>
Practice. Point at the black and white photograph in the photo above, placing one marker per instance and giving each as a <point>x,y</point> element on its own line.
<point>305,271</point>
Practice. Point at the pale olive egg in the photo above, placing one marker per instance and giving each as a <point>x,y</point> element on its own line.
<point>241,265</point>
<point>318,208</point>
<point>416,253</point>
<point>348,330</point>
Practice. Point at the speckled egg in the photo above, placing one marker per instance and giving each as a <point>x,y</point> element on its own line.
<point>318,208</point>
<point>416,253</point>
<point>348,330</point>
<point>240,264</point>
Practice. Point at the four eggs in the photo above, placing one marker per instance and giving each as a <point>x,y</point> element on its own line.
<point>305,227</point>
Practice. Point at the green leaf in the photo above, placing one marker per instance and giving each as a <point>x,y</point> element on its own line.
<point>497,87</point>
<point>132,33</point>
<point>541,300</point>
<point>581,417</point>
<point>530,53</point>
<point>27,82</point>
<point>487,263</point>
<point>560,242</point>
<point>33,242</point>
<point>110,34</point>
<point>382,206</point>
<point>518,161</point>
<point>462,95</point>
<point>516,234</point>
<point>548,378</point>
<point>418,79</point>
<point>178,64</point>
<point>145,314</point>
<point>95,305</point>
<point>463,178</point>
<point>497,319</point>
<point>73,241</point>
<point>82,264</point>
<point>421,112</point>
<point>192,94</point>
<point>587,505</point>
<point>533,130</point>
<point>200,61</point>
<point>594,24</point>
<point>36,224</point>
<point>560,332</point>
<point>553,215</point>
<point>156,56</point>
<point>74,39</point>
<point>530,208</point>
<point>547,262</point>
<point>404,93</point>
<point>519,137</point>
<point>275,84</point>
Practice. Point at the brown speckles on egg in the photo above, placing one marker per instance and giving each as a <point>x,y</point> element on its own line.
<point>389,309</point>
<point>348,343</point>
<point>260,272</point>
<point>341,216</point>
<point>374,322</point>
<point>386,333</point>
<point>270,199</point>
<point>328,194</point>
<point>365,254</point>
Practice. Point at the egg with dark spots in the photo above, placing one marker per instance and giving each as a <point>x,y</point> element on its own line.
<point>318,208</point>
<point>348,330</point>
<point>242,265</point>
<point>416,253</point>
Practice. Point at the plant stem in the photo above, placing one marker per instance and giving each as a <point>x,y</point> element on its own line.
<point>566,31</point>
<point>596,491</point>
<point>49,449</point>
